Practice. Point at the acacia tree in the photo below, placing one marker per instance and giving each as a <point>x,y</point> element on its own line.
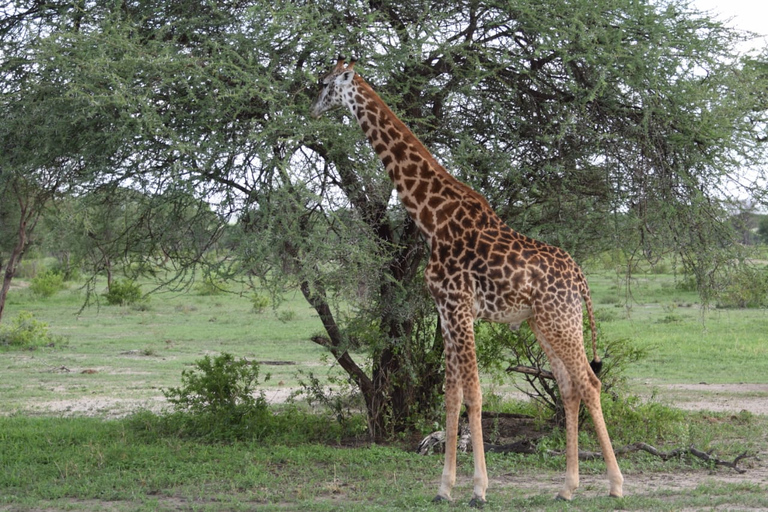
<point>586,125</point>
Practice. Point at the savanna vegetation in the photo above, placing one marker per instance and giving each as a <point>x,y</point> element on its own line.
<point>98,414</point>
<point>166,202</point>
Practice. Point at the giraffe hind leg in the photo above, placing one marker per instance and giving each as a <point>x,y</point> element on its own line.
<point>592,401</point>
<point>578,382</point>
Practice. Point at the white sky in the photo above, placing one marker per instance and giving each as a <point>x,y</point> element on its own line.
<point>751,15</point>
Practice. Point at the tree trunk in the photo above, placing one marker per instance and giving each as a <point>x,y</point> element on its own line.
<point>13,262</point>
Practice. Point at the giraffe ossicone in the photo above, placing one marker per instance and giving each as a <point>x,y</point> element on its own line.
<point>481,268</point>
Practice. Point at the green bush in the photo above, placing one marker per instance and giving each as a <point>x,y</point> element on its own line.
<point>632,419</point>
<point>68,271</point>
<point>501,350</point>
<point>287,316</point>
<point>210,287</point>
<point>47,283</point>
<point>745,287</point>
<point>123,292</point>
<point>217,398</point>
<point>26,333</point>
<point>260,302</point>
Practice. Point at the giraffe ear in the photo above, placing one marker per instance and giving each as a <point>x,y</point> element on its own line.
<point>346,77</point>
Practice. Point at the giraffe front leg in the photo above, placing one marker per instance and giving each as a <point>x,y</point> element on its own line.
<point>474,404</point>
<point>452,406</point>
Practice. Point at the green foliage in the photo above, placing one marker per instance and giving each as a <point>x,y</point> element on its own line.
<point>216,398</point>
<point>745,286</point>
<point>632,419</point>
<point>123,292</point>
<point>287,315</point>
<point>339,397</point>
<point>68,271</point>
<point>499,349</point>
<point>210,287</point>
<point>47,283</point>
<point>260,302</point>
<point>24,332</point>
<point>762,229</point>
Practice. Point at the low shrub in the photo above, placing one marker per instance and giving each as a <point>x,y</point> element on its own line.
<point>210,287</point>
<point>745,287</point>
<point>24,332</point>
<point>217,399</point>
<point>47,283</point>
<point>123,292</point>
<point>260,302</point>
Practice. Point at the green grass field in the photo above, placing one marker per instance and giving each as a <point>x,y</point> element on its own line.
<point>69,439</point>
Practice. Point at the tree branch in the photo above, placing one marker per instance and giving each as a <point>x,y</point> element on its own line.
<point>536,372</point>
<point>692,450</point>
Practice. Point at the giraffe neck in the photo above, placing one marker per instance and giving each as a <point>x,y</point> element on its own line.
<point>424,187</point>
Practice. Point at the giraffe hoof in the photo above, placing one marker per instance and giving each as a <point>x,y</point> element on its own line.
<point>560,497</point>
<point>477,502</point>
<point>440,499</point>
<point>617,496</point>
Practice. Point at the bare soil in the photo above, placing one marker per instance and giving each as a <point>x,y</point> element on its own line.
<point>718,397</point>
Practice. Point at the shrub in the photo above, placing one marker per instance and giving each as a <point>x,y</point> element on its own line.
<point>210,286</point>
<point>501,351</point>
<point>260,302</point>
<point>26,333</point>
<point>47,283</point>
<point>68,271</point>
<point>218,399</point>
<point>123,292</point>
<point>287,316</point>
<point>746,287</point>
<point>341,398</point>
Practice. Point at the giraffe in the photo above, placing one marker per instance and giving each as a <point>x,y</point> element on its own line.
<point>481,268</point>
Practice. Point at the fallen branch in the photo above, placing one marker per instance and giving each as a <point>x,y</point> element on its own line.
<point>645,447</point>
<point>435,442</point>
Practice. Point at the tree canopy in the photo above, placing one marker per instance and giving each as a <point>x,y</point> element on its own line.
<point>586,124</point>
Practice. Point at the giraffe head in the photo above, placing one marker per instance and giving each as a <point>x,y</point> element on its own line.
<point>332,87</point>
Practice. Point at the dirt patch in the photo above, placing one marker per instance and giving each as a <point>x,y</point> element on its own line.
<point>101,406</point>
<point>718,397</point>
<point>636,485</point>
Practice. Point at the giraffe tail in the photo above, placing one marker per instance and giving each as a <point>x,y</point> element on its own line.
<point>596,364</point>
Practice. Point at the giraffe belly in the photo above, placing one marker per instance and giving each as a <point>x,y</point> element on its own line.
<point>512,315</point>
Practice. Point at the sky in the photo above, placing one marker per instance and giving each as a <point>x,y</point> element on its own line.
<point>751,15</point>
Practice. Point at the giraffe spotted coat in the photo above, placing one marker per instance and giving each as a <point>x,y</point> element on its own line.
<point>481,268</point>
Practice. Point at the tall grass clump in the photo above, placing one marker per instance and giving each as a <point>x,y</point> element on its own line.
<point>260,302</point>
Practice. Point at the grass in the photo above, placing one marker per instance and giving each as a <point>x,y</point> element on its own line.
<point>66,444</point>
<point>69,463</point>
<point>687,344</point>
<point>136,351</point>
